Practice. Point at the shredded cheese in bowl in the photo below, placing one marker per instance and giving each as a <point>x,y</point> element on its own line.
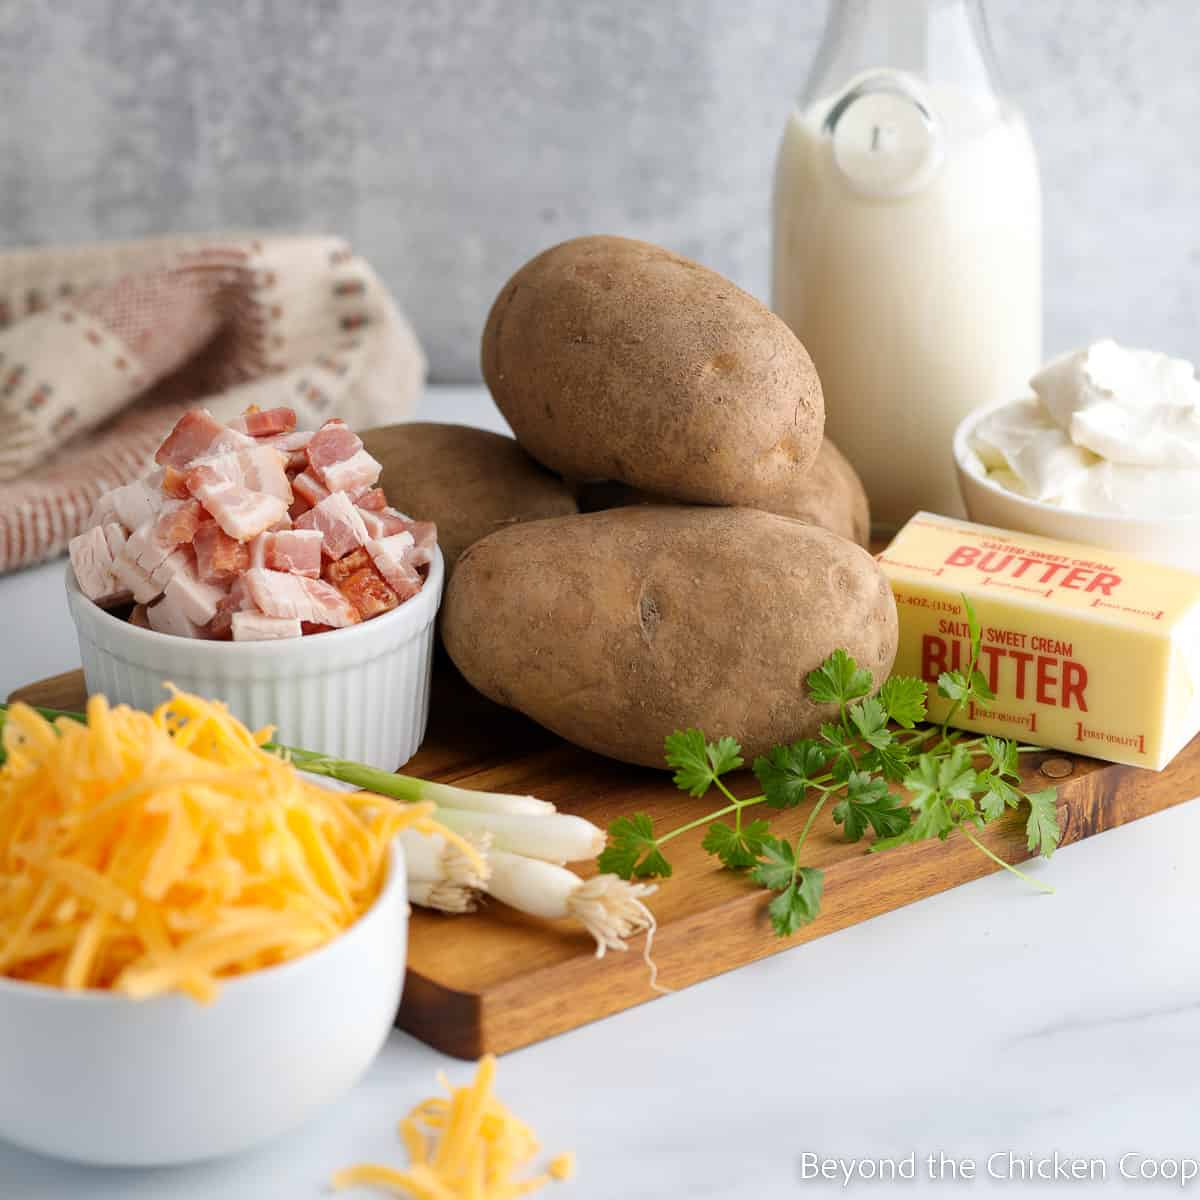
<point>147,853</point>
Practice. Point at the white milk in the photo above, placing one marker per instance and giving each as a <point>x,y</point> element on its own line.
<point>907,258</point>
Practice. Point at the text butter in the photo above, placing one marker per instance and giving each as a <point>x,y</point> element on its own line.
<point>1085,650</point>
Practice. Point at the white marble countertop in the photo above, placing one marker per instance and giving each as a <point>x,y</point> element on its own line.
<point>982,1022</point>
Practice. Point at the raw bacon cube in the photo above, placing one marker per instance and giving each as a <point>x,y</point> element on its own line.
<point>338,459</point>
<point>295,550</point>
<point>309,488</point>
<point>137,502</point>
<point>369,594</point>
<point>337,571</point>
<point>391,556</point>
<point>193,597</point>
<point>166,616</point>
<point>196,434</point>
<point>259,422</point>
<point>339,521</point>
<point>256,627</point>
<point>373,500</point>
<point>282,595</point>
<point>93,555</point>
<point>180,522</point>
<point>237,599</point>
<point>219,558</point>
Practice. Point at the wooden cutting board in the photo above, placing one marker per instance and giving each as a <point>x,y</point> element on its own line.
<point>495,981</point>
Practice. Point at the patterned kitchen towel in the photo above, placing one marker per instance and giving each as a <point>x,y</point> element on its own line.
<point>101,348</point>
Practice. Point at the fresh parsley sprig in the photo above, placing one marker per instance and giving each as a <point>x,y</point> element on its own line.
<point>952,783</point>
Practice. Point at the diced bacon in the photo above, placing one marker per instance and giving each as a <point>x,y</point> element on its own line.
<point>334,442</point>
<point>295,550</point>
<point>337,571</point>
<point>92,559</point>
<point>137,502</point>
<point>219,558</point>
<point>193,597</point>
<point>138,617</point>
<point>241,511</point>
<point>309,488</point>
<point>259,469</point>
<point>180,522</point>
<point>392,559</point>
<point>373,500</point>
<point>255,627</point>
<point>339,521</point>
<point>385,522</point>
<point>259,423</point>
<point>174,483</point>
<point>284,523</point>
<point>135,579</point>
<point>281,595</point>
<point>369,593</point>
<point>355,475</point>
<point>166,616</point>
<point>293,445</point>
<point>237,599</point>
<point>196,434</point>
<point>179,560</point>
<point>145,548</point>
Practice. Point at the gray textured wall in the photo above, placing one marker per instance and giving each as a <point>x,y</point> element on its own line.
<point>450,139</point>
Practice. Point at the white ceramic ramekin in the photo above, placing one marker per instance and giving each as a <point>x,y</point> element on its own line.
<point>99,1078</point>
<point>360,693</point>
<point>1166,538</point>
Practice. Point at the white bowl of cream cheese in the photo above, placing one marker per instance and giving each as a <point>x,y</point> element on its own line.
<point>1106,452</point>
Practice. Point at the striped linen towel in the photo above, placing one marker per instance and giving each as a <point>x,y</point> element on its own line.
<point>102,347</point>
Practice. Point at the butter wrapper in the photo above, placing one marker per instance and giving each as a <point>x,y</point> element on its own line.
<point>1086,651</point>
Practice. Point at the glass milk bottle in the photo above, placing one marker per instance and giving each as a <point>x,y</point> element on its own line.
<point>907,241</point>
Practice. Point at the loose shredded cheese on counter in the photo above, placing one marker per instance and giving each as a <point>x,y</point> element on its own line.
<point>147,853</point>
<point>466,1147</point>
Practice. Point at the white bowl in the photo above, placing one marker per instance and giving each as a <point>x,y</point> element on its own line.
<point>1174,540</point>
<point>98,1078</point>
<point>360,693</point>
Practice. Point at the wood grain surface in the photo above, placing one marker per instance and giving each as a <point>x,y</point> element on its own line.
<point>495,980</point>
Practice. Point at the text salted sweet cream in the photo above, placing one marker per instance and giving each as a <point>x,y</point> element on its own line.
<point>1084,650</point>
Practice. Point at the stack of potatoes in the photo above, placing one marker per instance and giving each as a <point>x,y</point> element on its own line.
<point>729,561</point>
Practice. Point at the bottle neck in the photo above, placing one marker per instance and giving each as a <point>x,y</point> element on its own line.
<point>939,41</point>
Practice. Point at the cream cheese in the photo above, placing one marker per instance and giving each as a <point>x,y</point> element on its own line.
<point>1108,430</point>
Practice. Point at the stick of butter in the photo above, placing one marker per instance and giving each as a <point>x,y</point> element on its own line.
<point>1086,650</point>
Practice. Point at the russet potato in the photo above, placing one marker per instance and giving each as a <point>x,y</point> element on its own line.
<point>616,359</point>
<point>615,628</point>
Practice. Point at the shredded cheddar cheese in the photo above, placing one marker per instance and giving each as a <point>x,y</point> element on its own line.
<point>148,853</point>
<point>464,1147</point>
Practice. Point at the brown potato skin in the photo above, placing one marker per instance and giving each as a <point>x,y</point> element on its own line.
<point>830,495</point>
<point>614,629</point>
<point>616,359</point>
<point>469,482</point>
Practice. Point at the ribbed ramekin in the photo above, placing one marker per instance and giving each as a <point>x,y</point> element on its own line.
<point>360,693</point>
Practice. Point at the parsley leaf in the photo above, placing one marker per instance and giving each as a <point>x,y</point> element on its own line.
<point>777,865</point>
<point>736,850</point>
<point>953,685</point>
<point>633,851</point>
<point>868,802</point>
<point>799,888</point>
<point>904,699</point>
<point>1003,755</point>
<point>1000,795</point>
<point>838,680</point>
<point>788,771</point>
<point>1042,826</point>
<point>699,763</point>
<point>870,719</point>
